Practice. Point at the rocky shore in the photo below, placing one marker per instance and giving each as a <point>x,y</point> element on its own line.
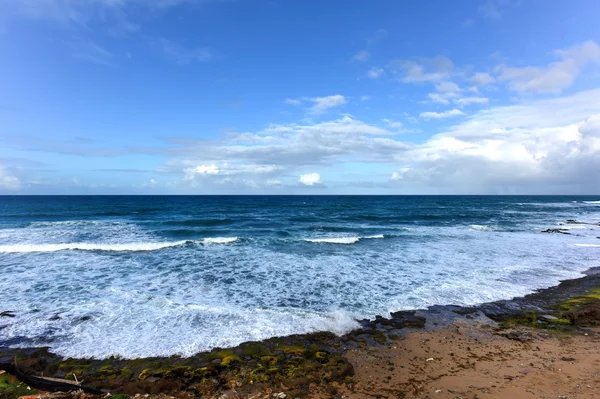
<point>398,356</point>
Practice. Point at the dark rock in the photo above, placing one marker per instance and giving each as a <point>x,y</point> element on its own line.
<point>557,231</point>
<point>8,313</point>
<point>568,359</point>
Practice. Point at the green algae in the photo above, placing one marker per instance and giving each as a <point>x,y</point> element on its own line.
<point>10,387</point>
<point>293,349</point>
<point>228,358</point>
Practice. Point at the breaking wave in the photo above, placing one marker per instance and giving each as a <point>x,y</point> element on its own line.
<point>342,240</point>
<point>85,246</point>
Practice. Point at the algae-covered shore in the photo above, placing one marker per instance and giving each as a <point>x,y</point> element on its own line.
<point>399,356</point>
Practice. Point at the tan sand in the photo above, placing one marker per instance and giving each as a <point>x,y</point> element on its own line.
<point>468,361</point>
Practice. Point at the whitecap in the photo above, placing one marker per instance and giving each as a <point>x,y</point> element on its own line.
<point>84,246</point>
<point>375,236</point>
<point>334,240</point>
<point>591,202</point>
<point>480,227</point>
<point>219,240</point>
<point>588,245</point>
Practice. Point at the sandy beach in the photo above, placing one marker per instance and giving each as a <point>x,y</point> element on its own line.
<point>467,361</point>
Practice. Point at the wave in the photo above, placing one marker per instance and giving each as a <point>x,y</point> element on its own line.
<point>85,246</point>
<point>573,227</point>
<point>335,240</point>
<point>588,245</point>
<point>219,240</point>
<point>480,227</point>
<point>73,223</point>
<point>342,240</point>
<point>591,202</point>
<point>198,222</point>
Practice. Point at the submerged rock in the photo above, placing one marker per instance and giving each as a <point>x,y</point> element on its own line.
<point>557,231</point>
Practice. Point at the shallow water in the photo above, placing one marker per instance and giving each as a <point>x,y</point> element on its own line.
<point>142,276</point>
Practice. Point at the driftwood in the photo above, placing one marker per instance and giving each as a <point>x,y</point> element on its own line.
<point>46,384</point>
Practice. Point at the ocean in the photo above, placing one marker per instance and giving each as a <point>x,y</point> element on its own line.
<point>136,276</point>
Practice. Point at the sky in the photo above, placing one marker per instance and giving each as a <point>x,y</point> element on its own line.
<point>299,97</point>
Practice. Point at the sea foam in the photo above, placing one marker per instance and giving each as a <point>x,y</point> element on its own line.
<point>83,246</point>
<point>219,240</point>
<point>334,240</point>
<point>343,240</point>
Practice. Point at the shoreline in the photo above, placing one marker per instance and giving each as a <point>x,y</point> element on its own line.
<point>313,364</point>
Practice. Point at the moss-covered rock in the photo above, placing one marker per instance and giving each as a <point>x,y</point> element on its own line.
<point>228,358</point>
<point>11,388</point>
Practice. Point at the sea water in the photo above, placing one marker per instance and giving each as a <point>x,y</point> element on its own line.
<point>160,275</point>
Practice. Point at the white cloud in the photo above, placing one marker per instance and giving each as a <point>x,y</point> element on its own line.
<point>399,175</point>
<point>379,35</point>
<point>322,104</point>
<point>392,124</point>
<point>445,91</point>
<point>471,100</point>
<point>534,146</point>
<point>447,87</point>
<point>482,79</point>
<point>557,76</point>
<point>438,98</point>
<point>90,51</point>
<point>281,150</point>
<point>441,115</point>
<point>180,54</point>
<point>361,56</point>
<point>201,170</point>
<point>273,182</point>
<point>8,181</point>
<point>375,73</point>
<point>542,146</point>
<point>83,12</point>
<point>310,179</point>
<point>493,9</point>
<point>428,70</point>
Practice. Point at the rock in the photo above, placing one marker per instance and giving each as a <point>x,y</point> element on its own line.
<point>548,317</point>
<point>557,231</point>
<point>8,313</point>
<point>281,395</point>
<point>568,359</point>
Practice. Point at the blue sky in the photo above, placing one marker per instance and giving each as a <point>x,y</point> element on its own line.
<point>299,97</point>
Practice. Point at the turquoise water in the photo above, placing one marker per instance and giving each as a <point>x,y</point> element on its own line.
<point>141,276</point>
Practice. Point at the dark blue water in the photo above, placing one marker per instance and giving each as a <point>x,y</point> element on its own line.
<point>139,276</point>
